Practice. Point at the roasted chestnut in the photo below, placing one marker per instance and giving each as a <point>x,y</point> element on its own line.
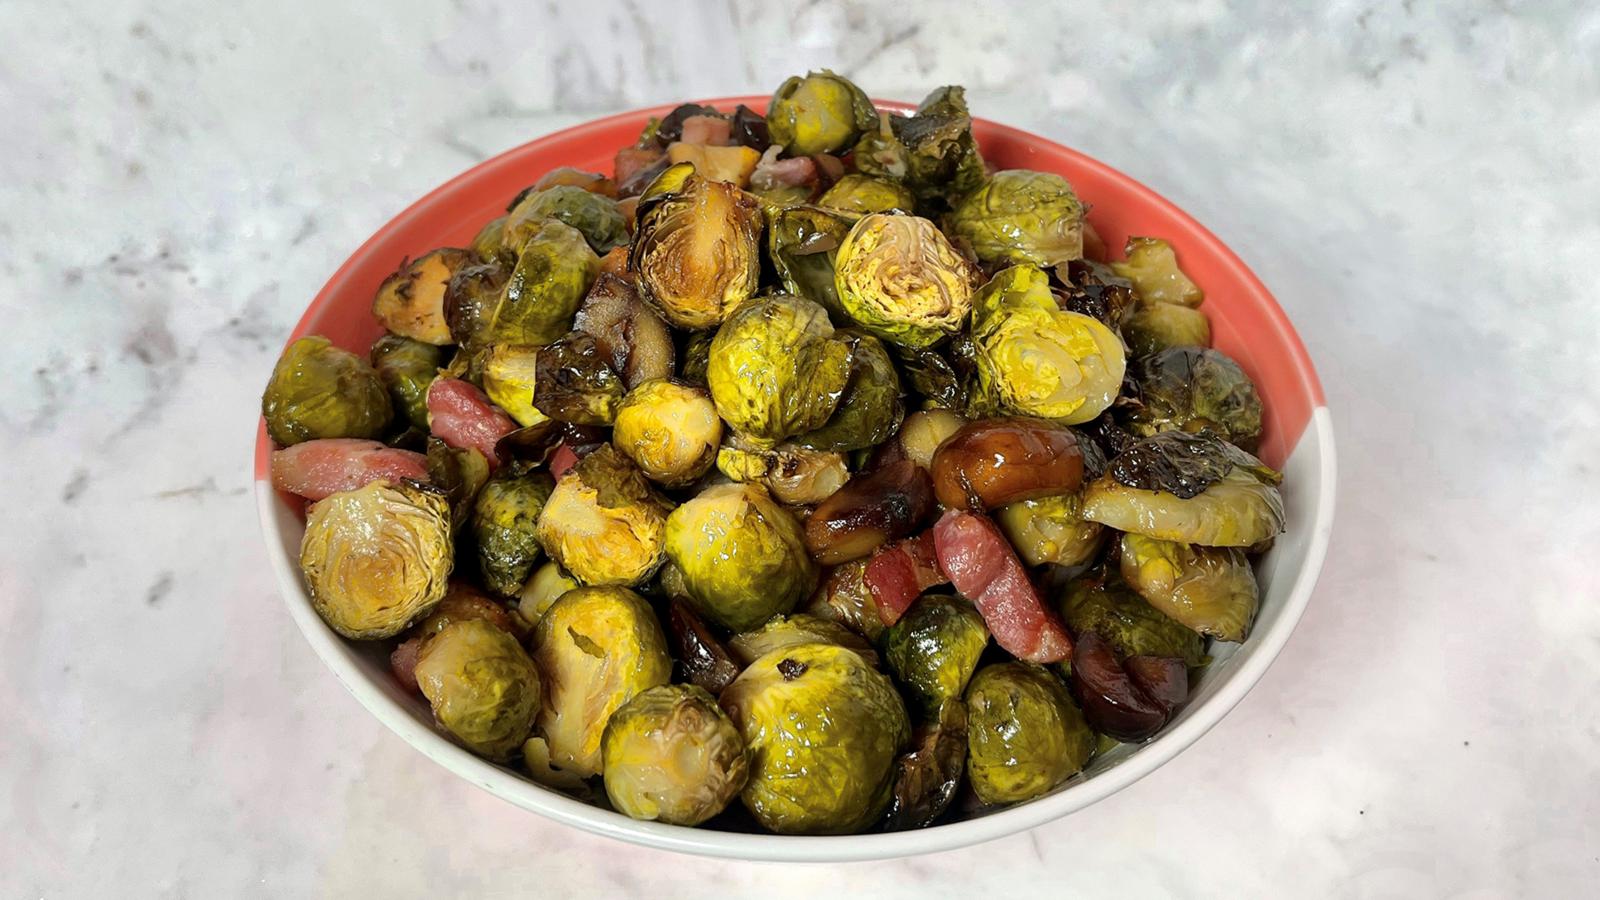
<point>1127,700</point>
<point>705,662</point>
<point>992,462</point>
<point>869,511</point>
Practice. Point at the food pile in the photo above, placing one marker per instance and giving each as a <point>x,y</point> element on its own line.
<point>803,462</point>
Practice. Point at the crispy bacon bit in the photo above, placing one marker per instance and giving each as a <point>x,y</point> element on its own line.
<point>984,568</point>
<point>898,574</point>
<point>316,469</point>
<point>461,416</point>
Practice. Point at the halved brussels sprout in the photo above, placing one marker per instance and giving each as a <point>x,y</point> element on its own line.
<point>1024,733</point>
<point>899,278</point>
<point>743,556</point>
<point>1191,488</point>
<point>1194,389</point>
<point>820,113</point>
<point>543,588</point>
<point>793,475</point>
<point>799,628</point>
<point>823,729</point>
<point>1111,609</point>
<point>843,597</point>
<point>934,648</point>
<point>1153,268</point>
<point>776,368</point>
<point>733,165</point>
<point>410,302</point>
<point>460,473</point>
<point>869,409</point>
<point>1038,359</point>
<point>1051,530</point>
<point>483,688</point>
<point>802,242</point>
<point>672,755</point>
<point>670,430</point>
<point>862,194</point>
<point>1212,590</point>
<point>575,383</point>
<point>1153,327</point>
<point>510,377</point>
<point>697,249</point>
<point>604,523</point>
<point>377,558</point>
<point>594,215</point>
<point>406,368</point>
<point>553,272</point>
<point>927,776</point>
<point>1020,216</point>
<point>504,523</point>
<point>597,647</point>
<point>628,334</point>
<point>320,391</point>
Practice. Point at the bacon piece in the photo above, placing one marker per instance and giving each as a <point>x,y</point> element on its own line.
<point>897,575</point>
<point>562,459</point>
<point>983,567</point>
<point>714,130</point>
<point>631,161</point>
<point>316,469</point>
<point>403,662</point>
<point>773,172</point>
<point>461,416</point>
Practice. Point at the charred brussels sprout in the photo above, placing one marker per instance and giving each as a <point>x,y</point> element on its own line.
<point>1131,626</point>
<point>1153,268</point>
<point>410,302</point>
<point>458,471</point>
<point>1191,488</point>
<point>934,648</point>
<point>628,334</point>
<point>603,522</point>
<point>931,152</point>
<point>843,597</point>
<point>1025,735</point>
<point>406,368</point>
<point>697,250</point>
<point>473,299</point>
<point>1039,360</point>
<point>320,391</point>
<point>1195,389</point>
<point>553,272</point>
<point>800,628</point>
<point>504,521</point>
<point>743,557</point>
<point>672,755</point>
<point>597,647</point>
<point>483,688</point>
<point>862,194</point>
<point>377,558</point>
<point>541,591</point>
<point>670,430</point>
<point>1212,590</point>
<point>792,474</point>
<point>574,383</point>
<point>899,278</point>
<point>869,409</point>
<point>595,216</point>
<point>776,368</point>
<point>927,776</point>
<point>802,242</point>
<point>1153,327</point>
<point>820,113</point>
<point>823,729</point>
<point>1024,217</point>
<point>1051,530</point>
<point>510,376</point>
<point>930,374</point>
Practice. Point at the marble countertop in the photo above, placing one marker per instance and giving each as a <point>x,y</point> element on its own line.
<point>1416,184</point>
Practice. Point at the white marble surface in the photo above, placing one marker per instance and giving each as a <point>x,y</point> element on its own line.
<point>1417,183</point>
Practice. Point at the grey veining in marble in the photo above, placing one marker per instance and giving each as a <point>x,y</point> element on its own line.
<point>1417,182</point>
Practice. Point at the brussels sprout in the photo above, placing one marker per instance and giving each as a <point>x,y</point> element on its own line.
<point>510,377</point>
<point>1153,268</point>
<point>820,113</point>
<point>569,175</point>
<point>543,588</point>
<point>603,522</point>
<point>1038,359</point>
<point>1212,590</point>
<point>461,603</point>
<point>483,688</point>
<point>672,755</point>
<point>1093,290</point>
<point>899,278</point>
<point>488,246</point>
<point>696,357</point>
<point>777,369</point>
<point>696,250</point>
<point>863,194</point>
<point>823,729</point>
<point>670,430</point>
<point>472,300</point>
<point>1194,389</point>
<point>1051,530</point>
<point>869,410</point>
<point>536,758</point>
<point>406,368</point>
<point>377,558</point>
<point>1024,734</point>
<point>934,647</point>
<point>932,152</point>
<point>799,628</point>
<point>742,555</point>
<point>802,242</point>
<point>320,391</point>
<point>1153,327</point>
<point>597,647</point>
<point>843,597</point>
<point>410,302</point>
<point>1021,217</point>
<point>574,383</point>
<point>793,475</point>
<point>1191,488</point>
<point>732,165</point>
<point>926,778</point>
<point>931,375</point>
<point>553,272</point>
<point>880,153</point>
<point>1133,627</point>
<point>923,432</point>
<point>628,334</point>
<point>504,520</point>
<point>595,216</point>
<point>460,473</point>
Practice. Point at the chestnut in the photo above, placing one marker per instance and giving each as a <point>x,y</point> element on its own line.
<point>994,462</point>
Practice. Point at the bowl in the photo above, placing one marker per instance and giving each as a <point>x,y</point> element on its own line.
<point>1246,324</point>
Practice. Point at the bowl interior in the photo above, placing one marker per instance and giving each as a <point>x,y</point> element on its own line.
<point>1246,323</point>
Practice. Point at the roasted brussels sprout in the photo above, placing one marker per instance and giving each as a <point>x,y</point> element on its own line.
<point>574,383</point>
<point>597,648</point>
<point>927,776</point>
<point>410,302</point>
<point>743,556</point>
<point>488,246</point>
<point>510,378</point>
<point>603,522</point>
<point>932,152</point>
<point>1094,290</point>
<point>732,165</point>
<point>1153,327</point>
<point>777,369</point>
<point>871,510</point>
<point>820,113</point>
<point>696,357</point>
<point>793,475</point>
<point>823,729</point>
<point>1212,590</point>
<point>504,521</point>
<point>863,194</point>
<point>799,628</point>
<point>542,769</point>
<point>1194,389</point>
<point>472,300</point>
<point>1051,530</point>
<point>672,755</point>
<point>899,278</point>
<point>843,597</point>
<point>697,250</point>
<point>994,462</point>
<point>483,688</point>
<point>462,602</point>
<point>460,473</point>
<point>802,242</point>
<point>1111,609</point>
<point>595,216</point>
<point>543,588</point>
<point>670,430</point>
<point>934,649</point>
<point>931,375</point>
<point>320,391</point>
<point>631,338</point>
<point>1024,734</point>
<point>406,368</point>
<point>1191,488</point>
<point>553,272</point>
<point>1020,216</point>
<point>869,409</point>
<point>1153,268</point>
<point>377,558</point>
<point>1038,359</point>
<point>923,432</point>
